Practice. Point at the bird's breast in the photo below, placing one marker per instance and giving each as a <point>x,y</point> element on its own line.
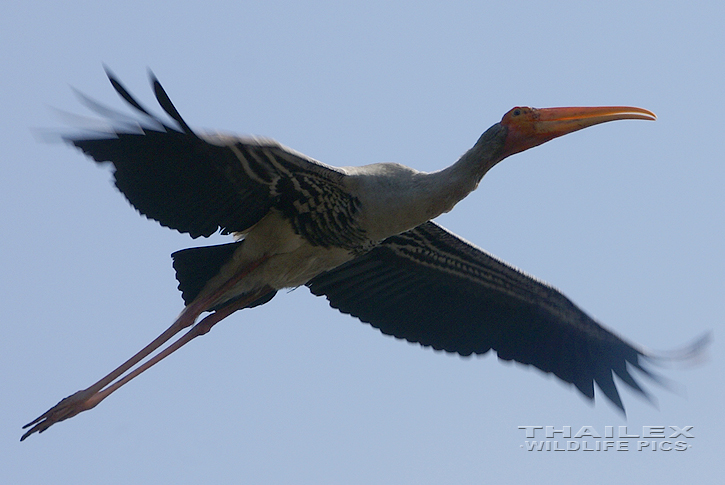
<point>290,260</point>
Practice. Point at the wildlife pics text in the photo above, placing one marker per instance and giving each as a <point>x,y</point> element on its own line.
<point>613,438</point>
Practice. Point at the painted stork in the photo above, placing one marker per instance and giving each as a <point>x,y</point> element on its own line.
<point>360,236</point>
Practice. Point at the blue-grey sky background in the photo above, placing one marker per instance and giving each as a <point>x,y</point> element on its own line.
<point>627,219</point>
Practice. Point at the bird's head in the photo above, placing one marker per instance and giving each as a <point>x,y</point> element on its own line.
<point>529,127</point>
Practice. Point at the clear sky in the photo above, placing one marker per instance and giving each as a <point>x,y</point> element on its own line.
<point>626,218</point>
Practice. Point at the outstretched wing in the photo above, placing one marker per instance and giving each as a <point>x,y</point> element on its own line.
<point>199,184</point>
<point>431,287</point>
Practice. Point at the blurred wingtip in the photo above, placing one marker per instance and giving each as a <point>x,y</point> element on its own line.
<point>108,71</point>
<point>46,135</point>
<point>690,355</point>
<point>81,124</point>
<point>152,76</point>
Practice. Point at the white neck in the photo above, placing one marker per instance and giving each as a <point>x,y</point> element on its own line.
<point>445,188</point>
<point>396,198</point>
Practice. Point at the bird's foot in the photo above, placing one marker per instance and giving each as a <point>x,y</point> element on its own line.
<point>67,408</point>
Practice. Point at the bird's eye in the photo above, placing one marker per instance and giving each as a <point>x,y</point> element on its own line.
<point>517,112</point>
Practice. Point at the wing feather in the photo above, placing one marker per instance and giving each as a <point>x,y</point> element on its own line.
<point>201,184</point>
<point>431,287</point>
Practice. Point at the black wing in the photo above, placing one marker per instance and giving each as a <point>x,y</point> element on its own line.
<point>200,184</point>
<point>431,287</point>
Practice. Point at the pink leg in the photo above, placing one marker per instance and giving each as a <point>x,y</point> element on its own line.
<point>90,397</point>
<point>197,330</point>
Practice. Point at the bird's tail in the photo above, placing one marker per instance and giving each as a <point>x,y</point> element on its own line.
<point>196,266</point>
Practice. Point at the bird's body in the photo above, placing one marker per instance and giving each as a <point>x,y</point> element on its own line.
<point>381,200</point>
<point>290,260</point>
<point>361,236</point>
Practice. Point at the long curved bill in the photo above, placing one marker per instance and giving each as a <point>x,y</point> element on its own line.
<point>529,127</point>
<point>582,117</point>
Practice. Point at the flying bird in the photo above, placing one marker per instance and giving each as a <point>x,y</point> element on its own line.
<point>363,237</point>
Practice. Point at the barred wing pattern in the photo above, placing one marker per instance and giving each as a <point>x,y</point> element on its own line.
<point>200,184</point>
<point>431,287</point>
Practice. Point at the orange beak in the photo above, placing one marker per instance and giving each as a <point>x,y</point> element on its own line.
<point>529,127</point>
